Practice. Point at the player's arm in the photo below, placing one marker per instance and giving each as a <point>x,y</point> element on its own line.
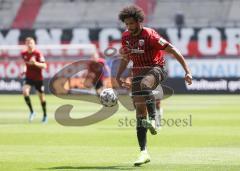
<point>41,64</point>
<point>23,66</point>
<point>124,60</point>
<point>176,53</point>
<point>107,70</point>
<point>23,71</point>
<point>106,74</point>
<point>123,65</point>
<point>160,43</point>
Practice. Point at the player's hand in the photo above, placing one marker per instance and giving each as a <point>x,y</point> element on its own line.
<point>123,83</point>
<point>119,81</point>
<point>126,85</point>
<point>125,51</point>
<point>31,62</point>
<point>188,78</point>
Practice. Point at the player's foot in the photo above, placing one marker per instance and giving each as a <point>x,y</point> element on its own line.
<point>31,116</point>
<point>142,159</point>
<point>151,125</point>
<point>44,119</point>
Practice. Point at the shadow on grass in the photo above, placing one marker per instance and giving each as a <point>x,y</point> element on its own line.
<point>89,168</point>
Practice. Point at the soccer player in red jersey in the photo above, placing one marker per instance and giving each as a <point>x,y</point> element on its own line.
<point>145,47</point>
<point>96,73</point>
<point>34,64</point>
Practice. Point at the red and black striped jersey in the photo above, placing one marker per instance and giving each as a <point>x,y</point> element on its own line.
<point>146,49</point>
<point>33,72</point>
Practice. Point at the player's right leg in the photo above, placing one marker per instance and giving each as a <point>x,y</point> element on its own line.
<point>26,92</point>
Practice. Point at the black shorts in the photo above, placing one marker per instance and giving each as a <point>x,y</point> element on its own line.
<point>160,74</point>
<point>38,84</point>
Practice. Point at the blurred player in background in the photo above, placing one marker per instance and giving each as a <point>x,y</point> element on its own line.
<point>34,64</point>
<point>96,73</point>
<point>144,47</point>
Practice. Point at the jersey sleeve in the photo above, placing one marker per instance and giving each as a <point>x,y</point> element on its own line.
<point>41,58</point>
<point>124,43</point>
<point>158,42</point>
<point>106,72</point>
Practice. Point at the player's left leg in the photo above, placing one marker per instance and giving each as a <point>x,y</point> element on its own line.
<point>43,104</point>
<point>40,89</point>
<point>159,113</point>
<point>141,114</point>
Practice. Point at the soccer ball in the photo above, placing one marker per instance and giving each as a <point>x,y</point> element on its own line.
<point>108,98</point>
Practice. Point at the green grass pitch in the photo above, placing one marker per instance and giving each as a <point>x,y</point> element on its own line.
<point>211,143</point>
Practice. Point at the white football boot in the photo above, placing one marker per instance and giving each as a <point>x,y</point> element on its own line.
<point>142,159</point>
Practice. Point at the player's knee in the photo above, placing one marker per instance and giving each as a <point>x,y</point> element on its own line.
<point>41,96</point>
<point>140,110</point>
<point>25,92</point>
<point>42,99</point>
<point>144,84</point>
<point>147,83</point>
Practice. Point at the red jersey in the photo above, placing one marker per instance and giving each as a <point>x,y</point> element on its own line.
<point>33,72</point>
<point>146,49</point>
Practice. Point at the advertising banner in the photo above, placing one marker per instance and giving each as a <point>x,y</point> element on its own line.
<point>192,42</point>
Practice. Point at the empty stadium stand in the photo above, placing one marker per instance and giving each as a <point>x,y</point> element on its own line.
<point>103,13</point>
<point>27,14</point>
<point>77,13</point>
<point>8,11</point>
<point>197,13</point>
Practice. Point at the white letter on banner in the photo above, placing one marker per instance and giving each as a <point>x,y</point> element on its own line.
<point>104,36</point>
<point>183,41</point>
<point>215,36</point>
<point>79,36</point>
<point>233,41</point>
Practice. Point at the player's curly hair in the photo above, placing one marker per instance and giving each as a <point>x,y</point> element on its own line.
<point>131,11</point>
